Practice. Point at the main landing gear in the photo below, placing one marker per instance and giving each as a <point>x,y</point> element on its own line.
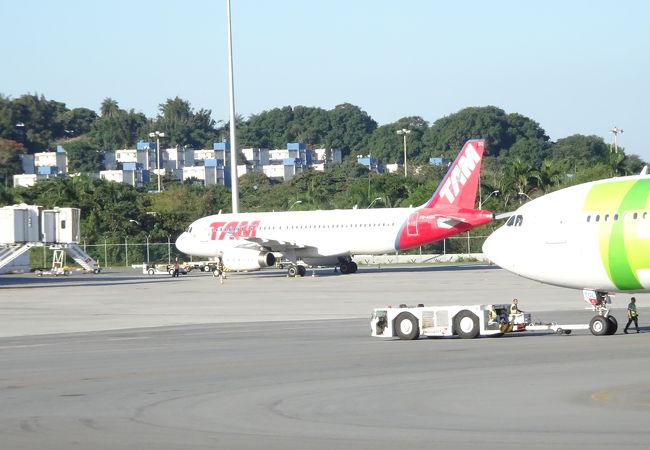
<point>348,266</point>
<point>296,271</point>
<point>602,324</point>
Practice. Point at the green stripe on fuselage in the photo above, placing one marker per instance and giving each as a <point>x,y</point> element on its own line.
<point>622,251</point>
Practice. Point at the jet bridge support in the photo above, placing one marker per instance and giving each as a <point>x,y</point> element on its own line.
<point>9,253</point>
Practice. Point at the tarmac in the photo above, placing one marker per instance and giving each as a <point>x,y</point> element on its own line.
<point>125,298</point>
<point>122,360</point>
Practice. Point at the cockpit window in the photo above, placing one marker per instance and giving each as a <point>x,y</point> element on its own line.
<point>515,221</point>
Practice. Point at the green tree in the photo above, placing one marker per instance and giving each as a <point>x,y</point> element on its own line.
<point>578,150</point>
<point>350,129</point>
<point>77,121</point>
<point>119,129</point>
<point>83,155</point>
<point>109,107</point>
<point>38,120</point>
<point>269,129</point>
<point>388,147</point>
<point>500,131</point>
<point>10,152</point>
<point>183,127</point>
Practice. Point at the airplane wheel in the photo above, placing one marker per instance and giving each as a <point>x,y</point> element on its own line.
<point>292,271</point>
<point>302,271</point>
<point>466,324</point>
<point>354,267</point>
<point>406,326</point>
<point>150,271</point>
<point>345,268</point>
<point>613,325</point>
<point>599,326</point>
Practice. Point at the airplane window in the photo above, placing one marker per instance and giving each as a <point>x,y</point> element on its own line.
<point>510,221</point>
<point>635,216</point>
<point>588,219</point>
<point>645,215</point>
<point>519,220</point>
<point>606,217</point>
<point>597,217</point>
<point>616,216</point>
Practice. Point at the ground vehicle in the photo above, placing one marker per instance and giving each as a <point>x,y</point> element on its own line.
<point>163,269</point>
<point>203,266</point>
<point>465,321</point>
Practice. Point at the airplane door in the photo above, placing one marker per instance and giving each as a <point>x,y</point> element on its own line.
<point>412,224</point>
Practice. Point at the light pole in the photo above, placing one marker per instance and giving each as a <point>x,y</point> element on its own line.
<point>404,132</point>
<point>234,186</point>
<point>157,135</point>
<point>480,203</point>
<point>615,131</point>
<point>373,202</point>
<point>297,202</point>
<point>523,194</point>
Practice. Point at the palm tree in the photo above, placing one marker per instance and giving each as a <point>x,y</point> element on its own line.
<point>522,177</point>
<point>551,175</point>
<point>109,107</point>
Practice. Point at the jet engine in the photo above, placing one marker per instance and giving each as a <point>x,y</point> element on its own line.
<point>247,259</point>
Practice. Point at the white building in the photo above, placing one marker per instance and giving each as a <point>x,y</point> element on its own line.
<point>210,174</point>
<point>135,178</point>
<point>55,162</point>
<point>25,179</point>
<point>256,156</point>
<point>286,170</point>
<point>142,158</point>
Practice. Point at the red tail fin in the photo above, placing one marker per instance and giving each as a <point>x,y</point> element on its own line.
<point>458,188</point>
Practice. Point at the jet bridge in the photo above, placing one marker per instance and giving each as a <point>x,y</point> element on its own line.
<point>23,227</point>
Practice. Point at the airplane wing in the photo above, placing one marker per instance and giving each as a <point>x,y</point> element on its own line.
<point>286,246</point>
<point>271,244</point>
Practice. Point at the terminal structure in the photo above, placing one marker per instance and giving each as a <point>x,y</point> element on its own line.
<point>23,227</point>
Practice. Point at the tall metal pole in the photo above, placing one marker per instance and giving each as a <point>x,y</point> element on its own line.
<point>233,141</point>
<point>615,131</point>
<point>158,159</point>
<point>404,154</point>
<point>403,132</point>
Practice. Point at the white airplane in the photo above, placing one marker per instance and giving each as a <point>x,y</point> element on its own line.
<point>594,236</point>
<point>248,241</point>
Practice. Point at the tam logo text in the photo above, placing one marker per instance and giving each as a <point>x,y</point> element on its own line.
<point>233,230</point>
<point>460,173</point>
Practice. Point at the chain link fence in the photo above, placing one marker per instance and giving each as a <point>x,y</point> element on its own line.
<point>127,252</point>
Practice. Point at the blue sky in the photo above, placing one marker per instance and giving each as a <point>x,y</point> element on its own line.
<point>573,66</point>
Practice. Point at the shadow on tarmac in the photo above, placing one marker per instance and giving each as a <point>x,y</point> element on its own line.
<point>30,280</point>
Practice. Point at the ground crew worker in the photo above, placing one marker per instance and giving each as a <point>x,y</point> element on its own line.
<point>492,317</point>
<point>514,307</point>
<point>632,316</point>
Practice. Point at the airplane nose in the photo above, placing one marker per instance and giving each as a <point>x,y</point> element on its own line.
<point>491,247</point>
<point>181,243</point>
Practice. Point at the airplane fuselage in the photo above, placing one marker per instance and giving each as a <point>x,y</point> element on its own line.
<point>592,236</point>
<point>323,234</point>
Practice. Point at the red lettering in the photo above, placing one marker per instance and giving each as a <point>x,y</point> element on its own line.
<point>228,229</point>
<point>215,226</point>
<point>249,230</point>
<point>233,229</point>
